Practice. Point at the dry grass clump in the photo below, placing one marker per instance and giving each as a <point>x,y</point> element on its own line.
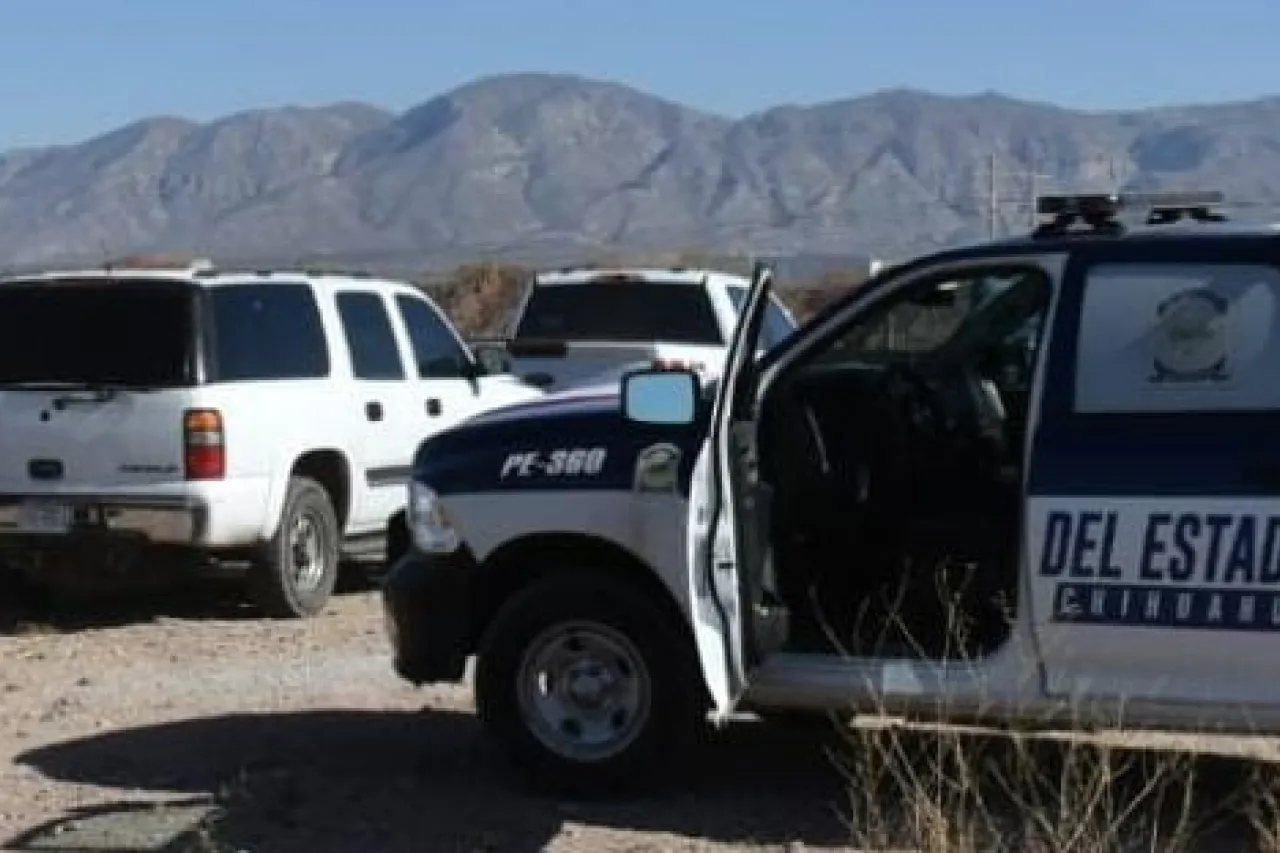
<point>939,788</point>
<point>958,791</point>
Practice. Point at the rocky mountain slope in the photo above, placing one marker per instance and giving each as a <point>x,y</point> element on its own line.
<point>556,165</point>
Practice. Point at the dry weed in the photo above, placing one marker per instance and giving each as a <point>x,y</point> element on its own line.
<point>943,788</point>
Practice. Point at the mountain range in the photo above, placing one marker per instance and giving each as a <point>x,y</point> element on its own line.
<point>552,166</point>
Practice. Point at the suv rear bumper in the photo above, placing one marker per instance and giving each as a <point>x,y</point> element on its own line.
<point>162,520</point>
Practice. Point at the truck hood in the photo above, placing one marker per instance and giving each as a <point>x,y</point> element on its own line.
<point>597,398</point>
<point>515,448</point>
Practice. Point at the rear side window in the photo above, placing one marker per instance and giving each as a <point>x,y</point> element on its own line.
<point>435,349</point>
<point>628,311</point>
<point>98,331</point>
<point>267,331</point>
<point>370,340</point>
<point>1178,338</point>
<point>776,324</point>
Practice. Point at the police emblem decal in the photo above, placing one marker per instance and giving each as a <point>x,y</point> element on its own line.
<point>1190,338</point>
<point>657,468</point>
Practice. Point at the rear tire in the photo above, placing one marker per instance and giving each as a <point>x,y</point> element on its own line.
<point>293,575</point>
<point>18,596</point>
<point>398,540</point>
<point>588,686</point>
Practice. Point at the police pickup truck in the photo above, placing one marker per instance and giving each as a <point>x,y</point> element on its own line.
<point>1031,482</point>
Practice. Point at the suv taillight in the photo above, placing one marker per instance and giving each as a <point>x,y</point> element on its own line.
<point>204,450</point>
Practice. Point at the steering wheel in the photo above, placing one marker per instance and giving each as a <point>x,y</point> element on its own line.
<point>914,400</point>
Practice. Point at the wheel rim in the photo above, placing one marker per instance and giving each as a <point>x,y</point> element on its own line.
<point>584,691</point>
<point>307,552</point>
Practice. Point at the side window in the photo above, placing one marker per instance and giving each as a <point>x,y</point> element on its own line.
<point>267,331</point>
<point>370,340</point>
<point>918,324</point>
<point>435,348</point>
<point>776,325</point>
<point>984,307</point>
<point>985,321</point>
<point>1178,338</point>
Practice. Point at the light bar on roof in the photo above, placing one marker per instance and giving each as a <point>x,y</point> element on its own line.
<point>1063,205</point>
<point>1173,198</point>
<point>1109,204</point>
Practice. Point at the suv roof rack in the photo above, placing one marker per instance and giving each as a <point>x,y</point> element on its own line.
<point>160,261</point>
<point>1099,212</point>
<point>315,272</point>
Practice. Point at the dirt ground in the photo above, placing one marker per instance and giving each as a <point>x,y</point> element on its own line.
<point>182,723</point>
<point>177,724</point>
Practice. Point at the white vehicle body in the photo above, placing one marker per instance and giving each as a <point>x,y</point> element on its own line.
<point>573,325</point>
<point>89,448</point>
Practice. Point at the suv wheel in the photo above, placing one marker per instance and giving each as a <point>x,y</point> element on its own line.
<point>588,686</point>
<point>294,574</point>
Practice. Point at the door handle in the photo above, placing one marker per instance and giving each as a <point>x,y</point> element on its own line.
<point>373,410</point>
<point>433,406</point>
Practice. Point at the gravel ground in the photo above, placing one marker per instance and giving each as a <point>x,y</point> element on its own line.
<point>151,726</point>
<point>177,723</point>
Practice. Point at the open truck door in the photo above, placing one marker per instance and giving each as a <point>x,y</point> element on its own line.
<point>736,616</point>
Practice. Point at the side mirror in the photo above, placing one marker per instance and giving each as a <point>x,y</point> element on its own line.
<point>660,396</point>
<point>491,360</point>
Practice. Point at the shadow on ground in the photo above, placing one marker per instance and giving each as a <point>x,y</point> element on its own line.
<point>28,609</point>
<point>351,780</point>
<point>428,781</point>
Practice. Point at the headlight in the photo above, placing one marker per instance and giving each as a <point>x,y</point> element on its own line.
<point>429,525</point>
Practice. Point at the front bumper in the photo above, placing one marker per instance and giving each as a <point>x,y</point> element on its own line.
<point>427,602</point>
<point>88,517</point>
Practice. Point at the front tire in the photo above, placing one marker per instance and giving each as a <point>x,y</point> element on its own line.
<point>588,685</point>
<point>294,574</point>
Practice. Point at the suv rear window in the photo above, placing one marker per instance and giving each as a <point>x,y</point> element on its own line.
<point>98,331</point>
<point>621,311</point>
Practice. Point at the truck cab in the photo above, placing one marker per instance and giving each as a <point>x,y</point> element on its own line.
<point>1031,482</point>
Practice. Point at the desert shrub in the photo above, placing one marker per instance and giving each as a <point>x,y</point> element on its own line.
<point>942,788</point>
<point>480,297</point>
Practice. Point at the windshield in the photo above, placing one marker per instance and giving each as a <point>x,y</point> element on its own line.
<point>625,311</point>
<point>114,332</point>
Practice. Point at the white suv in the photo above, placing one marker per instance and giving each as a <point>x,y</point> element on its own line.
<point>264,421</point>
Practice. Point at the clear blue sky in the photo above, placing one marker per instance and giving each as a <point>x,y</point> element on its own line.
<point>72,68</point>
